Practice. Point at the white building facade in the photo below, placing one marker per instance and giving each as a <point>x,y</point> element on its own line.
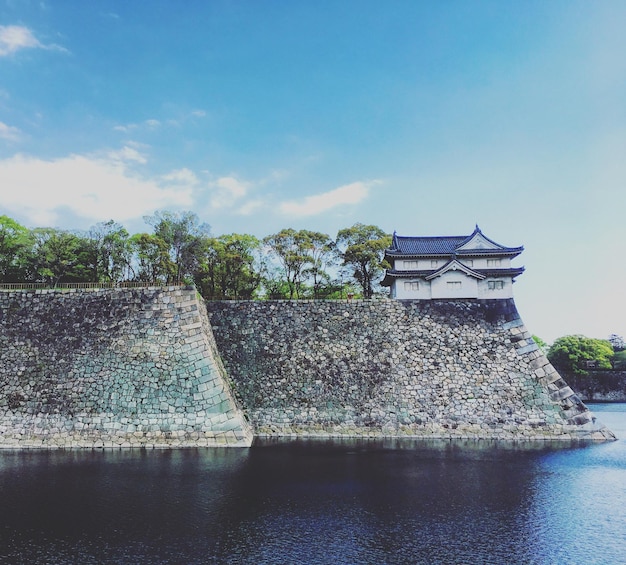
<point>448,267</point>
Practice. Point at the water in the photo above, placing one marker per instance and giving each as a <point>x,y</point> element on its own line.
<point>321,503</point>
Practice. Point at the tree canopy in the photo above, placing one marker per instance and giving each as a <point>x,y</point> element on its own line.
<point>362,249</point>
<point>288,264</point>
<point>576,354</point>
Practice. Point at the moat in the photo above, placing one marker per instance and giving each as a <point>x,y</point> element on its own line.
<point>360,502</point>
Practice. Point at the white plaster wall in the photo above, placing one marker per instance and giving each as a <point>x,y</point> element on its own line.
<point>476,263</point>
<point>481,262</point>
<point>423,293</point>
<point>440,288</point>
<point>403,264</point>
<point>485,292</point>
<point>422,264</point>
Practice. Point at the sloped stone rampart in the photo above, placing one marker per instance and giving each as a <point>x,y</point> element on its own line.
<point>112,368</point>
<point>439,369</point>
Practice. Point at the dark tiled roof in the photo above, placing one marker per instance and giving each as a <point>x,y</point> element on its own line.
<point>513,271</point>
<point>444,245</point>
<point>431,245</point>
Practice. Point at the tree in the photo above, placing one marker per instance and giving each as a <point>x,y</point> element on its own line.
<point>15,245</point>
<point>151,259</point>
<point>60,256</point>
<point>574,354</point>
<point>185,238</point>
<point>543,346</point>
<point>617,342</point>
<point>110,251</point>
<point>290,247</point>
<point>363,251</point>
<point>321,250</point>
<point>228,267</point>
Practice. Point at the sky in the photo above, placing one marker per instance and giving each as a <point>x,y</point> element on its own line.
<point>421,117</point>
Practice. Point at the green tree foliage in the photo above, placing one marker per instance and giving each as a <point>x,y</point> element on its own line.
<point>60,256</point>
<point>275,285</point>
<point>540,343</point>
<point>304,257</point>
<point>16,244</point>
<point>575,354</point>
<point>363,248</point>
<point>152,262</point>
<point>185,239</point>
<point>228,267</point>
<point>110,252</point>
<point>321,252</point>
<point>290,248</point>
<point>619,361</point>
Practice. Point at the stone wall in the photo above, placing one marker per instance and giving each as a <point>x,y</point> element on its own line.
<point>109,368</point>
<point>440,369</point>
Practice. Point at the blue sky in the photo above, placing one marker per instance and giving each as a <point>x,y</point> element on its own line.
<point>421,117</point>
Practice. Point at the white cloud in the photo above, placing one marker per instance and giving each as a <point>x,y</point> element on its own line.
<point>250,207</point>
<point>125,128</point>
<point>127,154</point>
<point>93,189</point>
<point>318,203</point>
<point>227,191</point>
<point>14,38</point>
<point>9,133</point>
<point>150,124</point>
<point>198,113</point>
<point>182,176</point>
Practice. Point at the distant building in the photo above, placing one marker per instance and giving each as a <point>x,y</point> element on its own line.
<point>468,266</point>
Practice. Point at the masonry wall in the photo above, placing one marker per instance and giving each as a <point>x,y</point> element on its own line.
<point>112,368</point>
<point>462,368</point>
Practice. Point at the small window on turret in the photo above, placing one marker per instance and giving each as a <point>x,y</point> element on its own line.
<point>411,285</point>
<point>495,285</point>
<point>454,285</point>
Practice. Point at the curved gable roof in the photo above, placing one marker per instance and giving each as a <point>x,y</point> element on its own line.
<point>447,245</point>
<point>455,265</point>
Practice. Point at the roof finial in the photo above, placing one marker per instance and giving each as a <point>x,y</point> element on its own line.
<point>394,240</point>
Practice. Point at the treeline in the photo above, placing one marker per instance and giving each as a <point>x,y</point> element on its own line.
<point>594,368</point>
<point>577,355</point>
<point>290,264</point>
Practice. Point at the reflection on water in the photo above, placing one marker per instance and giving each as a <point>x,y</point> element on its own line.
<point>320,502</point>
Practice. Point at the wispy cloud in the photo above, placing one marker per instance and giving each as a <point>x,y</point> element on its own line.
<point>9,133</point>
<point>318,203</point>
<point>150,124</point>
<point>13,38</point>
<point>92,188</point>
<point>153,123</point>
<point>127,154</point>
<point>227,191</point>
<point>181,176</point>
<point>250,207</point>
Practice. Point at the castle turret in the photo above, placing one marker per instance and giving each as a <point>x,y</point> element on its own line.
<point>466,266</point>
